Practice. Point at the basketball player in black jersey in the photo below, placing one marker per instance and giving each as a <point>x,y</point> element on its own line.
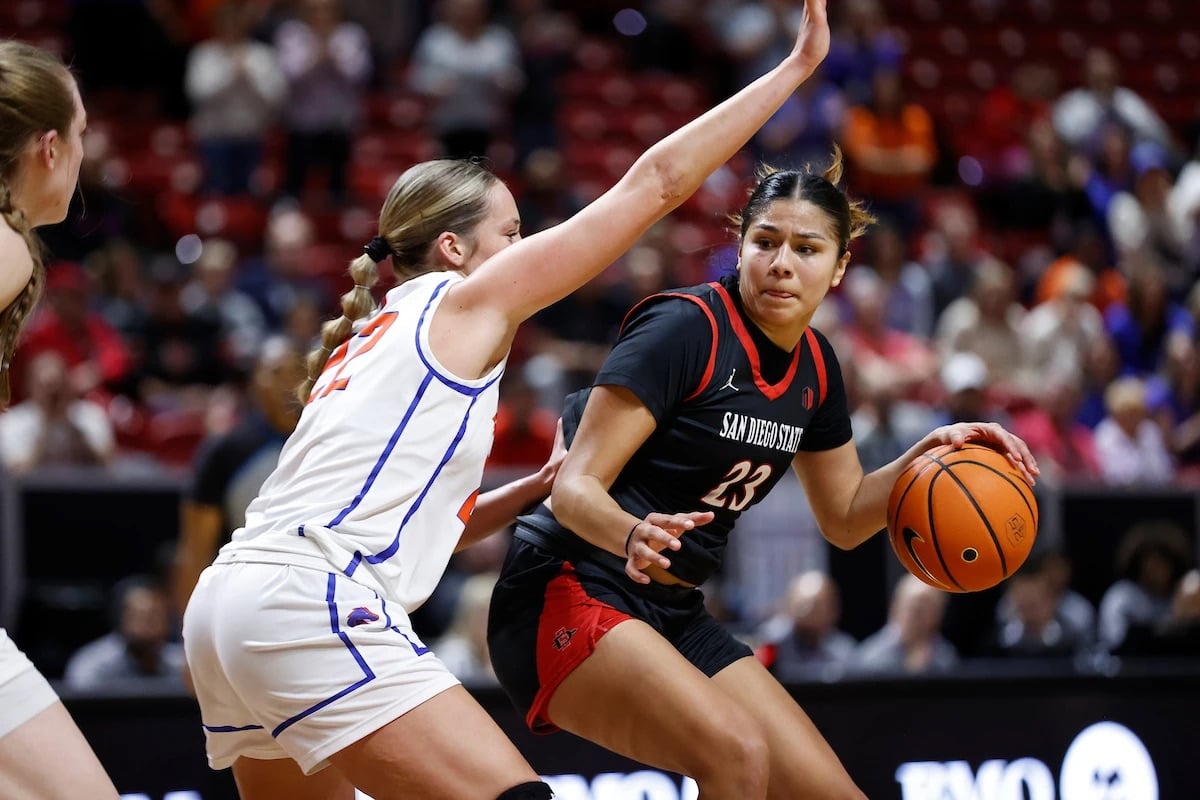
<point>709,395</point>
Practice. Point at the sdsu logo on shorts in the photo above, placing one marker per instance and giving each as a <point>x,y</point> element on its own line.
<point>562,638</point>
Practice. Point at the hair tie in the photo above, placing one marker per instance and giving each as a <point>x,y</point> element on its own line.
<point>377,249</point>
<point>629,538</point>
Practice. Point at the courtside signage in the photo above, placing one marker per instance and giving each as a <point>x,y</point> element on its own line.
<point>1105,761</point>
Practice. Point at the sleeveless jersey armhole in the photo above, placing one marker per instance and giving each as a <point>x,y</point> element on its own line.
<point>706,378</point>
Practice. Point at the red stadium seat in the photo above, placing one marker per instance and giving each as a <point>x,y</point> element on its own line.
<point>242,220</point>
<point>174,436</point>
<point>584,120</point>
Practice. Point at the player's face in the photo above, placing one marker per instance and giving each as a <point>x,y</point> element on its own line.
<point>499,229</point>
<point>789,259</point>
<point>63,177</point>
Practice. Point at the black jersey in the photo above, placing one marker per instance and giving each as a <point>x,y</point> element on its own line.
<point>732,410</point>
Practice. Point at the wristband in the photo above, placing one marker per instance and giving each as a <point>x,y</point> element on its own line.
<point>630,536</point>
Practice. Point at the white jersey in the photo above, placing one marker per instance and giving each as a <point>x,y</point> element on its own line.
<point>381,474</point>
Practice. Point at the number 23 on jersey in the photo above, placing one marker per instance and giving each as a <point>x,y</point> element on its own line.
<point>736,491</point>
<point>335,376</point>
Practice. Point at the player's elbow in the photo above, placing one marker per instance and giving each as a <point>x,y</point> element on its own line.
<point>566,498</point>
<point>842,540</point>
<point>844,534</point>
<point>660,182</point>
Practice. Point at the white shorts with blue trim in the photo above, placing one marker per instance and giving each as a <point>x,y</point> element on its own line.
<point>292,662</point>
<point>24,693</point>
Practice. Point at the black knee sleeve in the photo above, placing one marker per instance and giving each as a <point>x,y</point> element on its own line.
<point>534,790</point>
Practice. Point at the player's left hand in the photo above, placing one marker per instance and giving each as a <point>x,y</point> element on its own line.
<point>655,533</point>
<point>993,435</point>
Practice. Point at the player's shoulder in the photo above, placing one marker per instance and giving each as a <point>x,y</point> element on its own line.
<point>683,306</point>
<point>821,338</point>
<point>423,286</point>
<point>823,354</point>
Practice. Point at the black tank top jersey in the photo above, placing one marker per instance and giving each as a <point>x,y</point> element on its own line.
<point>732,410</point>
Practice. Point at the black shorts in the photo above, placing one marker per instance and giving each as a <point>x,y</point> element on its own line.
<point>548,613</point>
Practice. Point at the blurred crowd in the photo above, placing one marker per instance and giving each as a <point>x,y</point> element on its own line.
<point>1151,610</point>
<point>1035,262</point>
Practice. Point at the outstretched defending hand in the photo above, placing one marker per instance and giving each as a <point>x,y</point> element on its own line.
<point>812,41</point>
<point>658,532</point>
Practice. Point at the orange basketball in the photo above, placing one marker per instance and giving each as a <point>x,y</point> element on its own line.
<point>962,520</point>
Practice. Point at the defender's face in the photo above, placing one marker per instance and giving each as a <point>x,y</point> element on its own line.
<point>788,261</point>
<point>499,229</point>
<point>65,176</point>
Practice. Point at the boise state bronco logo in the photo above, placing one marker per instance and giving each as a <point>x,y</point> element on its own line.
<point>361,616</point>
<point>562,637</point>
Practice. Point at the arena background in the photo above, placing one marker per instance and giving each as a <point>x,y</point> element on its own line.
<point>152,235</point>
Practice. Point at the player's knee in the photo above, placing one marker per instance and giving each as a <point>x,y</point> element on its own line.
<point>749,757</point>
<point>534,790</point>
<point>745,758</point>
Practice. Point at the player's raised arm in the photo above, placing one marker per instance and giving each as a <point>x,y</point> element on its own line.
<point>547,266</point>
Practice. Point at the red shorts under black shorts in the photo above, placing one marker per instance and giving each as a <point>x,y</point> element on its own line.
<point>548,613</point>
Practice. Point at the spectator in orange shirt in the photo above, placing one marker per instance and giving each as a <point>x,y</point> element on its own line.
<point>1087,248</point>
<point>891,150</point>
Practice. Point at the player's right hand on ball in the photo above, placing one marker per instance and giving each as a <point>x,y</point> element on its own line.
<point>658,532</point>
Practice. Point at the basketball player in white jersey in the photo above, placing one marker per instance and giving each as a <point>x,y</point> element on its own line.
<point>298,637</point>
<point>41,147</point>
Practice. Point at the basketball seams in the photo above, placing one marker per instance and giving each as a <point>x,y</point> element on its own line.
<point>904,492</point>
<point>919,470</point>
<point>920,476</point>
<point>987,523</point>
<point>937,548</point>
<point>1020,486</point>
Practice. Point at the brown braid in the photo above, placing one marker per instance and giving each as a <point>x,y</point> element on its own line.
<point>12,320</point>
<point>36,96</point>
<point>356,304</point>
<point>427,200</point>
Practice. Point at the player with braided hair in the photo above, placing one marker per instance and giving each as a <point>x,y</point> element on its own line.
<point>41,130</point>
<point>299,636</point>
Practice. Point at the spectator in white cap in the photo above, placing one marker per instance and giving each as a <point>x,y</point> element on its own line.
<point>966,384</point>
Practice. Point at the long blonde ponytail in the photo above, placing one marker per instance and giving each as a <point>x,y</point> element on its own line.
<point>427,200</point>
<point>356,304</point>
